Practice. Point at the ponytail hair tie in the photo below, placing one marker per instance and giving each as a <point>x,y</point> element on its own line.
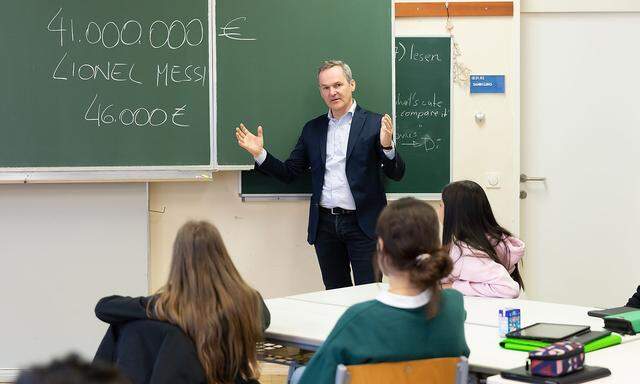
<point>422,257</point>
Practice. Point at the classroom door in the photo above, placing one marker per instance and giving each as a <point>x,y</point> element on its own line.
<point>581,133</point>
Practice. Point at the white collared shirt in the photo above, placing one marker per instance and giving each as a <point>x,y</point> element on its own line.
<point>404,302</point>
<point>335,189</point>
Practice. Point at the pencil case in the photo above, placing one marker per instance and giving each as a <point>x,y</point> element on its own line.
<point>558,359</point>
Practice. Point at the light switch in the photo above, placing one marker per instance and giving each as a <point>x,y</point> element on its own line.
<point>492,180</point>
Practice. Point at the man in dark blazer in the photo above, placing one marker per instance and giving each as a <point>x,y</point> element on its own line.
<point>345,149</point>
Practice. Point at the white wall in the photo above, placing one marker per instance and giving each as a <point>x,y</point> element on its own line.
<point>266,240</point>
<point>62,247</point>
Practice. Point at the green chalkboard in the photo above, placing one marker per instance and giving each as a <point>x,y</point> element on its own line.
<point>94,83</point>
<point>423,122</point>
<point>423,113</point>
<point>268,52</point>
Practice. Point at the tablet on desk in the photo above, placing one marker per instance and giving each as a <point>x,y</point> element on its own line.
<point>548,332</point>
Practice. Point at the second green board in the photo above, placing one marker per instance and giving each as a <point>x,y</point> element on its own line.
<point>423,113</point>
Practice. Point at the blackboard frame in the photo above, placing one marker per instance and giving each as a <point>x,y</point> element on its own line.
<point>119,173</point>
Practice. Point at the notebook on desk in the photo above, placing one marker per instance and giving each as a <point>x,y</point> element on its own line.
<point>590,344</point>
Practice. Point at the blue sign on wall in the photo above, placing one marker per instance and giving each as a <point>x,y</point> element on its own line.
<point>486,83</point>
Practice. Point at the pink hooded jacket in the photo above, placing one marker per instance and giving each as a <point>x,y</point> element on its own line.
<point>475,274</point>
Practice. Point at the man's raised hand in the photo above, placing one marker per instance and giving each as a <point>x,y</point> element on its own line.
<point>250,142</point>
<point>386,131</point>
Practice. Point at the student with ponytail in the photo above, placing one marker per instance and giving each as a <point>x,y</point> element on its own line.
<point>412,319</point>
<point>485,255</point>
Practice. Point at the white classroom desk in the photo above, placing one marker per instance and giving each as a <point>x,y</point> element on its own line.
<point>306,320</point>
<point>480,310</point>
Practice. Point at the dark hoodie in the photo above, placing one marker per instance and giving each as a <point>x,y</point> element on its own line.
<point>634,301</point>
<point>150,351</point>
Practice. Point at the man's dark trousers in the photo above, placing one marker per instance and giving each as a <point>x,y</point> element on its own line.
<point>341,242</point>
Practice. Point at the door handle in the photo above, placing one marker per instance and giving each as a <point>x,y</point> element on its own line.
<point>524,178</point>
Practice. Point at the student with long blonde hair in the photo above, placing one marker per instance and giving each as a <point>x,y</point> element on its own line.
<point>207,299</point>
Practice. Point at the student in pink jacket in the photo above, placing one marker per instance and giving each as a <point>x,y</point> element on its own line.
<point>485,255</point>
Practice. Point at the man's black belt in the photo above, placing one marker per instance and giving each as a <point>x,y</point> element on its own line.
<point>337,211</point>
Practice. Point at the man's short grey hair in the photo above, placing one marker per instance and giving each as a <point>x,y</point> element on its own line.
<point>337,63</point>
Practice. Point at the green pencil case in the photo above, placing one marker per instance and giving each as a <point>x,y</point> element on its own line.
<point>627,323</point>
<point>531,345</point>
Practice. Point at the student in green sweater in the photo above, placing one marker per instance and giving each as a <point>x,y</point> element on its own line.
<point>414,318</point>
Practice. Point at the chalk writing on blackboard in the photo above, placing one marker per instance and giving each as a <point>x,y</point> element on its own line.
<point>130,34</point>
<point>413,105</point>
<point>104,115</point>
<point>412,54</point>
<point>172,34</point>
<point>425,142</point>
<point>231,31</point>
